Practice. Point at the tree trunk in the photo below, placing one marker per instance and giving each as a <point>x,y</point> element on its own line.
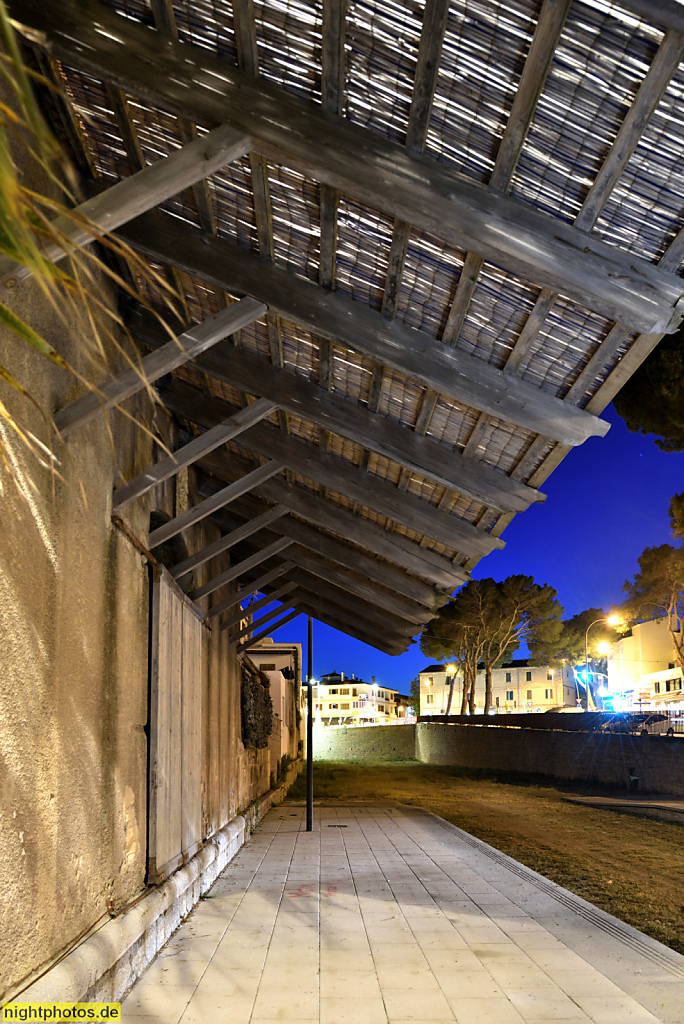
<point>451,694</point>
<point>471,698</point>
<point>464,696</point>
<point>674,625</point>
<point>488,687</point>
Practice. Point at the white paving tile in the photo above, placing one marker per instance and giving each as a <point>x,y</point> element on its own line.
<point>396,918</point>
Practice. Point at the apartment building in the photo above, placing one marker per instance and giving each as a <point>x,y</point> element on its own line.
<point>517,686</point>
<point>643,670</point>
<point>340,700</point>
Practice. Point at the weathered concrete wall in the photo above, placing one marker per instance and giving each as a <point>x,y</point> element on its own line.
<point>74,632</point>
<point>658,761</point>
<point>605,758</point>
<point>370,743</point>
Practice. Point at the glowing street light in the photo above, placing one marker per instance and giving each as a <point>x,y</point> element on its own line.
<point>610,620</point>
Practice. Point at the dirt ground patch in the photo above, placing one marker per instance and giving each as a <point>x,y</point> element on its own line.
<point>631,867</point>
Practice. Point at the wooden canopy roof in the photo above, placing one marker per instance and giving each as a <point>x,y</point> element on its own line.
<point>458,226</point>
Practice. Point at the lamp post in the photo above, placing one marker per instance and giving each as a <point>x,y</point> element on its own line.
<point>611,620</point>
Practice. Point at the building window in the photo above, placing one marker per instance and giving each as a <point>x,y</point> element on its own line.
<point>548,694</point>
<point>267,668</point>
<point>667,686</point>
<point>333,707</point>
<point>430,698</point>
<point>345,693</point>
<point>355,692</point>
<point>332,691</point>
<point>381,707</point>
<point>670,664</point>
<point>509,695</point>
<point>528,677</point>
<point>657,687</point>
<point>344,707</point>
<point>508,677</point>
<point>497,701</point>
<point>529,695</point>
<point>357,704</point>
<point>549,674</point>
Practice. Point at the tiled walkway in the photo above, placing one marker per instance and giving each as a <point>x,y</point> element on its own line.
<point>389,914</point>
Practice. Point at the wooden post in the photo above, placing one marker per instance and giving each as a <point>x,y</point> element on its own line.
<point>309,730</point>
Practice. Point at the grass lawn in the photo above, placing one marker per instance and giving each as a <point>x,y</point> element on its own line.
<point>631,867</point>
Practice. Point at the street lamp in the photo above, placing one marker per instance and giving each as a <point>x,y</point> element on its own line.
<point>610,620</point>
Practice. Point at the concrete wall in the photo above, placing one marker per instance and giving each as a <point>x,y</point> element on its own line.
<point>657,760</point>
<point>74,633</point>
<point>366,743</point>
<point>605,758</point>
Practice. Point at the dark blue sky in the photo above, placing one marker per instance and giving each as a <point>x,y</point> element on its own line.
<point>605,503</point>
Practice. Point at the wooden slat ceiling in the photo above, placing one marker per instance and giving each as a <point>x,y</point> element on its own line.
<point>464,218</point>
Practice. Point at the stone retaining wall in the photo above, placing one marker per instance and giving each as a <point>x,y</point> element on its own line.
<point>658,761</point>
<point>367,743</point>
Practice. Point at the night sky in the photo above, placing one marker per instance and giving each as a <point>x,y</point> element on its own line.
<point>605,503</point>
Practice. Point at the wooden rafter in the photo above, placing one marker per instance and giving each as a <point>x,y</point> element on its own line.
<point>253,587</point>
<point>532,245</point>
<point>391,547</point>
<point>448,371</point>
<point>342,553</point>
<point>142,191</point>
<point>169,356</point>
<point>227,541</point>
<point>305,399</point>
<point>224,431</point>
<point>260,636</point>
<point>207,507</point>
<point>255,606</point>
<point>235,571</point>
<point>343,477</point>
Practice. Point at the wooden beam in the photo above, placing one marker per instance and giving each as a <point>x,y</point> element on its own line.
<point>393,547</point>
<point>332,618</point>
<point>254,587</point>
<point>370,491</point>
<point>238,570</point>
<point>658,77</point>
<point>446,370</point>
<point>666,13</point>
<point>368,616</point>
<point>260,522</point>
<point>132,196</point>
<point>349,612</point>
<point>345,555</point>
<point>256,606</point>
<point>423,455</point>
<point>366,632</point>
<point>649,94</point>
<point>285,606</point>
<point>537,64</point>
<point>188,80</point>
<point>170,355</point>
<point>230,428</point>
<point>402,615</point>
<point>404,610</point>
<point>276,625</point>
<point>346,580</point>
<point>218,500</point>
